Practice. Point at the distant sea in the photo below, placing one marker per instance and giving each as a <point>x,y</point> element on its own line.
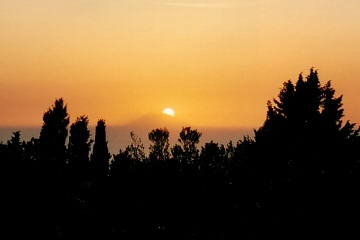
<point>118,137</point>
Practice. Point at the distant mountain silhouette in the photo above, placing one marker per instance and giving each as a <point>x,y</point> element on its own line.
<point>152,121</point>
<point>119,136</point>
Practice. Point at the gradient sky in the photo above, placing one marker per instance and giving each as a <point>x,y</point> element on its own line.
<point>215,62</point>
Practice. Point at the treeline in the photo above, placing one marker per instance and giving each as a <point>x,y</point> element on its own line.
<point>298,178</point>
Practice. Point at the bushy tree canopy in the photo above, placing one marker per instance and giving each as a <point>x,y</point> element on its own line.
<point>305,112</point>
<point>159,149</point>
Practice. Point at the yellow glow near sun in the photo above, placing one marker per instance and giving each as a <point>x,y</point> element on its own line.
<point>169,111</point>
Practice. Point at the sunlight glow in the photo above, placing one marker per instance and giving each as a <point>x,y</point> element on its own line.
<point>196,53</point>
<point>169,111</point>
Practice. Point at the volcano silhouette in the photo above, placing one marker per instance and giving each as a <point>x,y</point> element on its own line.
<point>119,136</point>
<point>152,121</point>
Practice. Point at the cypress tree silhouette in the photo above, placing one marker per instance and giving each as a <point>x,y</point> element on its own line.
<point>99,185</point>
<point>78,151</point>
<point>53,135</point>
<point>52,169</point>
<point>100,156</point>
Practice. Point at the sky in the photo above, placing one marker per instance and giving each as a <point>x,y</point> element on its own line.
<point>215,62</point>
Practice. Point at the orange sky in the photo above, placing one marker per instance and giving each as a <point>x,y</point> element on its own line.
<point>215,62</point>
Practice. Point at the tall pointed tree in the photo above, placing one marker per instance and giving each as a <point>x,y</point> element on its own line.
<point>78,149</point>
<point>53,135</point>
<point>331,113</point>
<point>100,156</point>
<point>52,166</point>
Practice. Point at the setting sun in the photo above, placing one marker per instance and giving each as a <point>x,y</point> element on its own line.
<point>169,111</point>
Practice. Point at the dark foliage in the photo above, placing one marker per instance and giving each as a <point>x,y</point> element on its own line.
<point>159,149</point>
<point>53,135</point>
<point>79,147</point>
<point>298,178</point>
<point>100,157</point>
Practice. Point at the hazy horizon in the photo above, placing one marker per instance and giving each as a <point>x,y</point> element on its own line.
<point>118,136</point>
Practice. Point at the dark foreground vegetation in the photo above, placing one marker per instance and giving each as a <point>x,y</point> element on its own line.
<point>297,179</point>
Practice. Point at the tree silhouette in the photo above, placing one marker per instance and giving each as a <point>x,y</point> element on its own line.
<point>32,150</point>
<point>136,149</point>
<point>78,150</point>
<point>298,177</point>
<point>100,156</point>
<point>304,116</point>
<point>178,154</point>
<point>125,161</point>
<point>49,185</point>
<point>188,140</point>
<point>17,184</point>
<point>211,155</point>
<point>244,150</point>
<point>303,156</point>
<point>15,148</point>
<point>17,167</point>
<point>159,149</point>
<point>53,135</point>
<point>13,163</point>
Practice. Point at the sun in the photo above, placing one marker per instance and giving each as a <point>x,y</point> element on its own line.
<point>169,111</point>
